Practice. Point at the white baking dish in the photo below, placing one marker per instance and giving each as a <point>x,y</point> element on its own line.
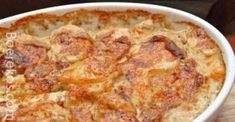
<point>210,113</point>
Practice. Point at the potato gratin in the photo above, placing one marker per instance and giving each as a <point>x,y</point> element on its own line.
<point>99,66</point>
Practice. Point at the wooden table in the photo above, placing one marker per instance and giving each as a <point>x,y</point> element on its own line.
<point>227,113</point>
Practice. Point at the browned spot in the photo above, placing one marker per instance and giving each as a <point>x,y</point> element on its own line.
<point>21,61</point>
<point>39,71</point>
<point>41,76</point>
<point>97,67</point>
<point>81,115</point>
<point>161,102</point>
<point>180,85</point>
<point>188,79</point>
<point>79,92</point>
<point>151,52</point>
<point>2,65</point>
<point>3,32</point>
<point>115,48</point>
<point>43,85</point>
<point>62,65</point>
<point>166,100</point>
<point>125,92</point>
<point>118,117</point>
<point>170,45</point>
<point>26,55</point>
<point>72,45</point>
<point>3,103</point>
<point>113,101</point>
<point>151,115</point>
<point>132,71</point>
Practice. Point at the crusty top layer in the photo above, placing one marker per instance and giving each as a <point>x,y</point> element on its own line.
<point>120,66</point>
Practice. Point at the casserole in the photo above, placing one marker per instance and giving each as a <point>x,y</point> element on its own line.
<point>177,15</point>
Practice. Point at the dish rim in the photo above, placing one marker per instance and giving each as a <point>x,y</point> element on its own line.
<point>218,38</point>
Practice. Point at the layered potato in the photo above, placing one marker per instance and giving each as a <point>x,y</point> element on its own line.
<point>108,66</point>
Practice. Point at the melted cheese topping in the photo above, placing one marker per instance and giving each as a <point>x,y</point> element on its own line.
<point>97,66</point>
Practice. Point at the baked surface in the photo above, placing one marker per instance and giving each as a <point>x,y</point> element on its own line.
<point>98,66</point>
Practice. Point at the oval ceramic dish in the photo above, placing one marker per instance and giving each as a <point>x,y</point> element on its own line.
<point>210,113</point>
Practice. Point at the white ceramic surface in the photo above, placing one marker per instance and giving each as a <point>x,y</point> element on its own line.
<point>210,113</point>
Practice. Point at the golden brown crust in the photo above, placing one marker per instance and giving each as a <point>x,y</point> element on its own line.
<point>32,18</point>
<point>3,29</point>
<point>124,66</point>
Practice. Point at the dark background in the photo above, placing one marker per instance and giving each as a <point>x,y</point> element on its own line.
<point>220,13</point>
